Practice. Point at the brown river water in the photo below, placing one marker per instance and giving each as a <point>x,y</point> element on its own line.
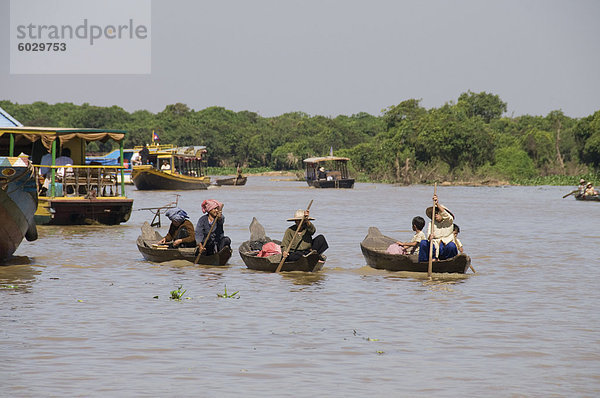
<point>80,317</point>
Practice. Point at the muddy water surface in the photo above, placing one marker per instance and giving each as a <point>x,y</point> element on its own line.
<point>83,314</point>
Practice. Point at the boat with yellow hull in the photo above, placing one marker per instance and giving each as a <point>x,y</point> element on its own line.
<point>171,168</point>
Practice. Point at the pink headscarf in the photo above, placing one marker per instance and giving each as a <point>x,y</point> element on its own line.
<point>210,204</point>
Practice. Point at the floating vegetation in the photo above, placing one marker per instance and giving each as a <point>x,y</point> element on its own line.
<point>9,287</point>
<point>177,294</point>
<point>226,295</point>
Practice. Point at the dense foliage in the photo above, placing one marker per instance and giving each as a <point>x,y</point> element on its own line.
<point>467,141</point>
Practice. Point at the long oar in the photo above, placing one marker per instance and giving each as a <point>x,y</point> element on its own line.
<point>430,266</point>
<point>571,193</point>
<point>283,257</point>
<point>208,236</point>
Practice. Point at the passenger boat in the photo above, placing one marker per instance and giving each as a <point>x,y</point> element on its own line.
<point>152,251</point>
<point>76,193</point>
<point>374,250</point>
<point>593,198</point>
<point>248,250</point>
<point>335,174</point>
<point>236,181</point>
<point>18,202</point>
<point>171,168</point>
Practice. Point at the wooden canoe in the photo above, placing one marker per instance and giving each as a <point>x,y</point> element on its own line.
<point>311,262</point>
<point>236,181</point>
<point>374,250</point>
<point>593,198</point>
<point>147,245</point>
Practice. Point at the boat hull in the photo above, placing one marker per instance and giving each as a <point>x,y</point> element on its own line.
<point>591,198</point>
<point>309,263</point>
<point>82,211</point>
<point>151,179</point>
<point>374,248</point>
<point>344,183</point>
<point>146,244</point>
<point>18,201</point>
<point>232,181</point>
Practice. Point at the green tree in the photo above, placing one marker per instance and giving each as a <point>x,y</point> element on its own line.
<point>488,106</point>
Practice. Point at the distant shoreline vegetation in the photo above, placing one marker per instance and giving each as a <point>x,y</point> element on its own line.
<point>464,142</point>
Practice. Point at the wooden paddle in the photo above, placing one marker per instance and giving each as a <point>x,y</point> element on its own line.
<point>430,266</point>
<point>283,257</point>
<point>571,193</point>
<point>208,235</point>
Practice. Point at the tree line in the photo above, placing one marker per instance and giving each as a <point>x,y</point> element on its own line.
<point>464,140</point>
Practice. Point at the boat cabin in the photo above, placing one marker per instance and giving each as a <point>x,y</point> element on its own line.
<point>187,161</point>
<point>328,172</point>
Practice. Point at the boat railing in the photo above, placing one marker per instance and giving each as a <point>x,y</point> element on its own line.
<point>90,181</point>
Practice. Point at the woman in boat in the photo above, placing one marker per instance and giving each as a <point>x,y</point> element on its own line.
<point>443,234</point>
<point>302,241</point>
<point>217,240</point>
<point>181,231</point>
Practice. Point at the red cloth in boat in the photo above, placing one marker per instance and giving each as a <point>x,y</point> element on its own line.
<point>395,248</point>
<point>269,249</point>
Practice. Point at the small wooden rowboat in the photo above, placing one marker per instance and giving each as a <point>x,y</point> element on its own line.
<point>311,262</point>
<point>593,198</point>
<point>152,251</point>
<point>239,180</point>
<point>374,250</point>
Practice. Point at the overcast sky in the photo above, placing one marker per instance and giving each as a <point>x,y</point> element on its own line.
<point>330,57</point>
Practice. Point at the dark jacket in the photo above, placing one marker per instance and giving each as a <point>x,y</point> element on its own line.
<point>185,232</point>
<point>203,226</point>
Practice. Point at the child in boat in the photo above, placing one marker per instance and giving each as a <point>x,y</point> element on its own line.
<point>457,242</point>
<point>181,230</point>
<point>412,247</point>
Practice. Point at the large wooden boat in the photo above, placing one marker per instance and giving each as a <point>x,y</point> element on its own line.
<point>248,250</point>
<point>72,193</point>
<point>171,168</point>
<point>374,250</point>
<point>593,198</point>
<point>335,174</point>
<point>18,202</point>
<point>152,251</point>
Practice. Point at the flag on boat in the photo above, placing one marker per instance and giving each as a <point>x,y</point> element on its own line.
<point>155,136</point>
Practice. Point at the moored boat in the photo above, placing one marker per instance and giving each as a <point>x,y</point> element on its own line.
<point>147,244</point>
<point>171,168</point>
<point>72,193</point>
<point>374,248</point>
<point>18,202</point>
<point>328,172</point>
<point>248,250</point>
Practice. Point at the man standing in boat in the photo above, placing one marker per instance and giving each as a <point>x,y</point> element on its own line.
<point>302,240</point>
<point>443,234</point>
<point>211,225</point>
